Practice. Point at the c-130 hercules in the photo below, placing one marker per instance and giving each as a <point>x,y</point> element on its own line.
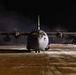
<point>37,39</point>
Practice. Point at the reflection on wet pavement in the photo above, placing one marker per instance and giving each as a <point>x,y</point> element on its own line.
<point>56,61</point>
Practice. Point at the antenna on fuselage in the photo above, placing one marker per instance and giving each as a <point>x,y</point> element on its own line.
<point>38,27</point>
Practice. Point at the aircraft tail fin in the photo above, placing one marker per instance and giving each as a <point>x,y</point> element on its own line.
<point>38,26</point>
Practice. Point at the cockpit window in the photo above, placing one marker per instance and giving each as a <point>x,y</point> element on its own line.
<point>43,34</point>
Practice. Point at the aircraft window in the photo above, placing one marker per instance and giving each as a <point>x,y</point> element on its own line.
<point>43,34</point>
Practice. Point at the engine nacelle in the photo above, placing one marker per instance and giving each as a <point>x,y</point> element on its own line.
<point>59,35</point>
<point>7,38</point>
<point>17,35</point>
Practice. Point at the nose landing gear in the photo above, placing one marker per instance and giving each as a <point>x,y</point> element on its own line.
<point>37,51</point>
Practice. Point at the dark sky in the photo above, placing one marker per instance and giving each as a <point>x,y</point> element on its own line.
<point>22,15</point>
<point>51,12</point>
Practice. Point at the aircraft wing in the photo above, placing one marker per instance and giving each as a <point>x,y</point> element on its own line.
<point>15,33</point>
<point>61,34</point>
<point>50,34</point>
<point>56,36</point>
<point>62,37</point>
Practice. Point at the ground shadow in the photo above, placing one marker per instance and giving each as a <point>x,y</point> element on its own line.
<point>15,51</point>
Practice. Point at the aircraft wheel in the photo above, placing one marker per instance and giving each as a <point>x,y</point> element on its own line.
<point>35,51</point>
<point>38,51</point>
<point>29,50</point>
<point>47,48</point>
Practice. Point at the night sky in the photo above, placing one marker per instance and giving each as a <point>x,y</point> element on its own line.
<point>52,13</point>
<point>22,16</point>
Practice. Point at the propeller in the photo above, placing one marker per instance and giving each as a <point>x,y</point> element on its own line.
<point>17,34</point>
<point>60,37</point>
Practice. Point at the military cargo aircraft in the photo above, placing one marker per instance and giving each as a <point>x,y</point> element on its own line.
<point>37,39</point>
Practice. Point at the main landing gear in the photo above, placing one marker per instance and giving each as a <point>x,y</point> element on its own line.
<point>36,51</point>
